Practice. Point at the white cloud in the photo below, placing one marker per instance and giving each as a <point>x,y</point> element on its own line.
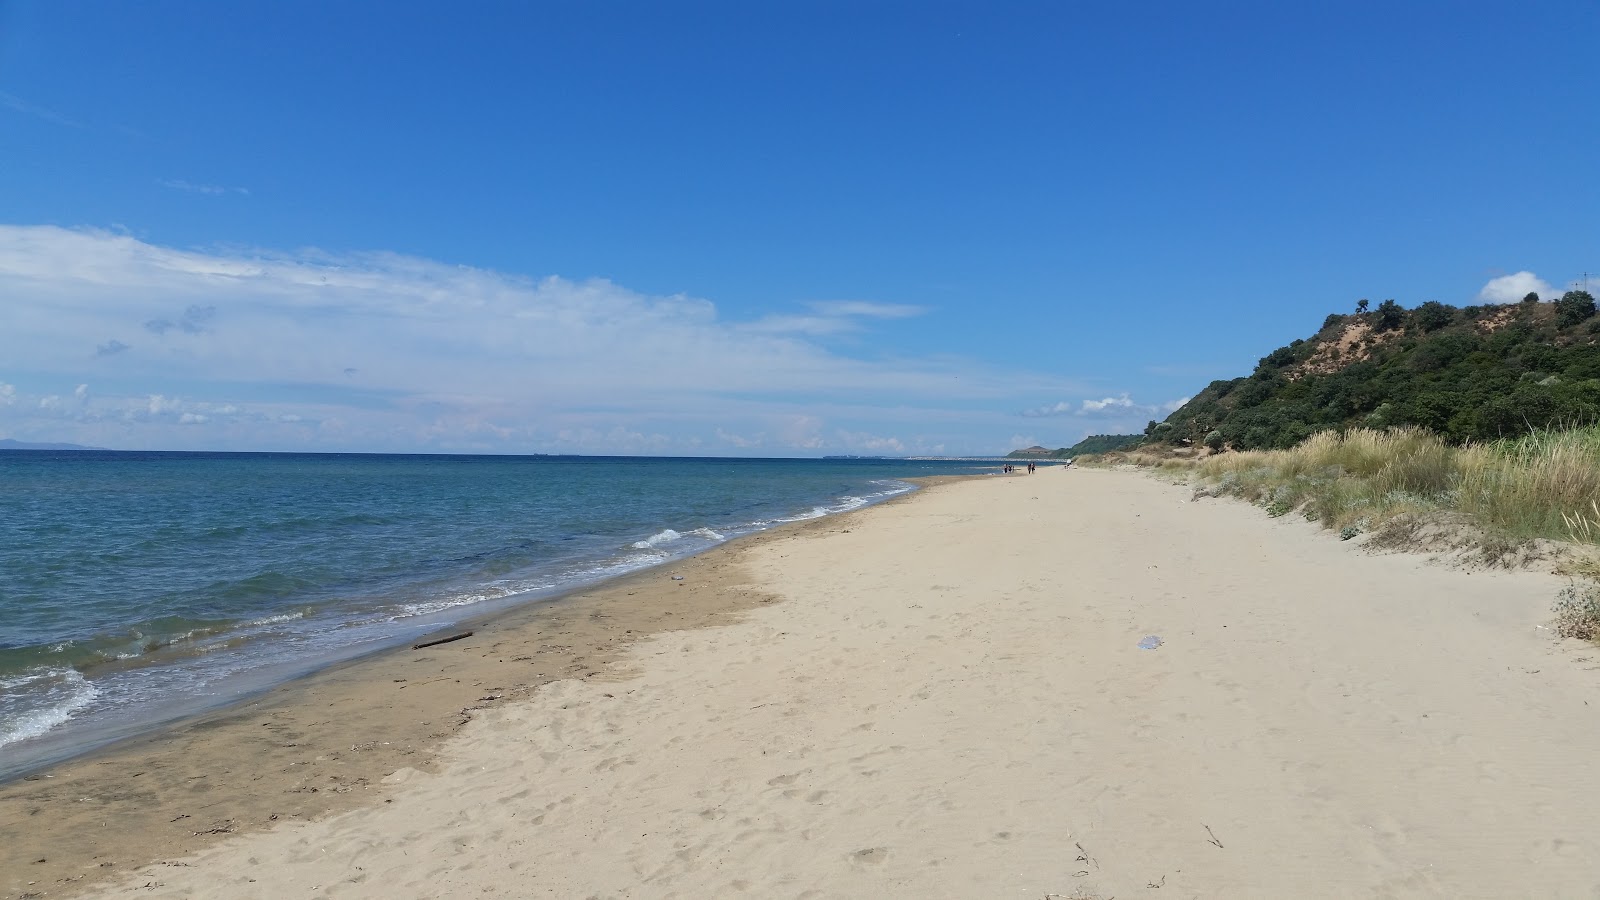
<point>8,394</point>
<point>192,419</point>
<point>1512,288</point>
<point>1122,408</point>
<point>1117,404</point>
<point>407,353</point>
<point>1021,442</point>
<point>1103,406</point>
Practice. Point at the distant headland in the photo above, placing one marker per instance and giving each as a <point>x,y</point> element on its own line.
<point>9,444</point>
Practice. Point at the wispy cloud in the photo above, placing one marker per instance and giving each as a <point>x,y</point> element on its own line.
<point>1120,405</point>
<point>807,325</point>
<point>382,351</point>
<point>866,309</point>
<point>832,317</point>
<point>178,184</point>
<point>19,105</point>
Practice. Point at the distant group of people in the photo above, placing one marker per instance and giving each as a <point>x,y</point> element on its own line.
<point>1009,469</point>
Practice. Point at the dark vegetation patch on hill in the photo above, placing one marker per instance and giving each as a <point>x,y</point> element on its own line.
<point>1100,443</point>
<point>1473,373</point>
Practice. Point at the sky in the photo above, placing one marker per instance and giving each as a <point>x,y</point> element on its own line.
<point>747,229</point>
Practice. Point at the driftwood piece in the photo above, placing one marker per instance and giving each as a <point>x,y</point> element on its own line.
<point>443,640</point>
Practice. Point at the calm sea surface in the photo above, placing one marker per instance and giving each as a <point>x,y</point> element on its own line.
<point>139,587</point>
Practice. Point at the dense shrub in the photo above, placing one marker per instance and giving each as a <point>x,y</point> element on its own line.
<point>1574,307</point>
<point>1478,374</point>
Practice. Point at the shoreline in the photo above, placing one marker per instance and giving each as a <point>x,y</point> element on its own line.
<point>282,758</point>
<point>73,740</point>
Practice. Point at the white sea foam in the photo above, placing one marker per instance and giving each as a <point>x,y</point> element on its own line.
<point>665,536</point>
<point>848,503</point>
<point>278,620</point>
<point>65,691</point>
<point>483,594</point>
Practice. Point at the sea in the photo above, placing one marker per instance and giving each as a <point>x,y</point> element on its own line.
<point>140,588</point>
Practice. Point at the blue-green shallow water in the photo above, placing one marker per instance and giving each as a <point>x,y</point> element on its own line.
<point>139,587</point>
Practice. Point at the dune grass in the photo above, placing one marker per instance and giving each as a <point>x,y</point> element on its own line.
<point>1542,485</point>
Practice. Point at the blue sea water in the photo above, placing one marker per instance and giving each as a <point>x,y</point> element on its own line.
<point>139,587</point>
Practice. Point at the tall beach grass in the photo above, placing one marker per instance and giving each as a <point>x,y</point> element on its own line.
<point>1542,485</point>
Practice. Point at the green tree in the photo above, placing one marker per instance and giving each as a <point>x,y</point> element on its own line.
<point>1532,297</point>
<point>1361,305</point>
<point>1391,315</point>
<point>1574,307</point>
<point>1432,316</point>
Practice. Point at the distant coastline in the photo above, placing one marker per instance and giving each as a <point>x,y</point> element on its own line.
<point>9,444</point>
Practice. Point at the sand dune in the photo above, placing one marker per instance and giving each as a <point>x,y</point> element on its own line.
<point>950,701</point>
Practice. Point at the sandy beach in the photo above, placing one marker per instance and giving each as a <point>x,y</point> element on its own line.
<point>943,696</point>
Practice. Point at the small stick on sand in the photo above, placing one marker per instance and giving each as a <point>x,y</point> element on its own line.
<point>443,640</point>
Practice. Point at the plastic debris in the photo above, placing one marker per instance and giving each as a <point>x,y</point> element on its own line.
<point>1149,642</point>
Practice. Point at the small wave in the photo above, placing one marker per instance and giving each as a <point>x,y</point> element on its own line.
<point>62,692</point>
<point>849,502</point>
<point>669,536</point>
<point>279,619</point>
<point>665,536</point>
<point>484,593</point>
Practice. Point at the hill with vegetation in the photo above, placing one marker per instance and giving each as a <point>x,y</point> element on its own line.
<point>1473,373</point>
<point>1100,443</point>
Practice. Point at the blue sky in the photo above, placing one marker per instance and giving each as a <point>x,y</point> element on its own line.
<point>746,228</point>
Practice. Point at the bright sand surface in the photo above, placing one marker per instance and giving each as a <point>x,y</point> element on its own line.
<point>950,701</point>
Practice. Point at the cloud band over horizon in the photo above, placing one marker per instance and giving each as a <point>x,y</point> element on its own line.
<point>388,352</point>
